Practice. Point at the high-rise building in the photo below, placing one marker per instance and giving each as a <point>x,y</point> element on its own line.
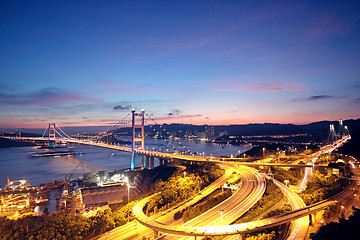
<point>209,132</point>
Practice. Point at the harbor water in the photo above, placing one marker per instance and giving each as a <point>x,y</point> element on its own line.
<point>17,163</point>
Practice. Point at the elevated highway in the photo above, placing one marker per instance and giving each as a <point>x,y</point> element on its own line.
<point>219,230</point>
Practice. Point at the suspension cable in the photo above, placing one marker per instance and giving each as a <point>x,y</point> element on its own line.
<point>119,122</point>
<point>45,132</point>
<point>186,150</point>
<point>57,126</point>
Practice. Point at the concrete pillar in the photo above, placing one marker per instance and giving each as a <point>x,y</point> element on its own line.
<point>142,161</point>
<point>147,160</point>
<point>313,219</point>
<point>156,234</point>
<point>151,162</point>
<point>160,162</point>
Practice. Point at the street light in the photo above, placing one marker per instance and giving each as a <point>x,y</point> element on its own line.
<point>341,213</point>
<point>221,218</point>
<point>356,198</point>
<point>128,186</point>
<point>221,215</point>
<point>286,182</point>
<point>184,174</point>
<point>263,153</point>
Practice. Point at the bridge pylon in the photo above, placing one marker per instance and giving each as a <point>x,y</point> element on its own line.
<point>135,138</point>
<point>52,134</point>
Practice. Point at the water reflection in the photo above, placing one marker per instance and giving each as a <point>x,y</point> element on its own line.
<point>16,163</point>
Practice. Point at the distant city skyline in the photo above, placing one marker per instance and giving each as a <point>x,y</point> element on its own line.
<point>88,63</point>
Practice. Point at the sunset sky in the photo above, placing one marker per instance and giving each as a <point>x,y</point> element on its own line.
<point>83,63</point>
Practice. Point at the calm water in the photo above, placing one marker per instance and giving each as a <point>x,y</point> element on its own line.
<point>16,163</point>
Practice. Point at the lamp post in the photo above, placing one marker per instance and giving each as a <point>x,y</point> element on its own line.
<point>128,187</point>
<point>286,182</point>
<point>263,155</point>
<point>221,215</point>
<point>221,219</point>
<point>356,199</point>
<point>263,152</point>
<point>184,174</point>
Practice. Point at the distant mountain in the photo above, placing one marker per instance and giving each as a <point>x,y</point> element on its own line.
<point>257,129</point>
<point>318,130</point>
<point>352,147</point>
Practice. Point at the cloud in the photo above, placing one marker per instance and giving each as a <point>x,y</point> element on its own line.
<point>266,87</point>
<point>331,25</point>
<point>178,117</point>
<point>356,100</point>
<point>174,112</point>
<point>319,97</point>
<point>45,97</point>
<point>275,87</point>
<point>125,107</point>
<point>116,85</point>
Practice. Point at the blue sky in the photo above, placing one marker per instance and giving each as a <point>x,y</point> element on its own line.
<point>83,63</point>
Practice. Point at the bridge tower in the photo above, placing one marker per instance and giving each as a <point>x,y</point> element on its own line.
<point>51,134</point>
<point>341,128</point>
<point>332,134</point>
<point>135,138</point>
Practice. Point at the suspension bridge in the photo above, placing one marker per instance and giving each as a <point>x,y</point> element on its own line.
<point>133,126</point>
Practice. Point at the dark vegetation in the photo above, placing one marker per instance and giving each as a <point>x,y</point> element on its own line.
<point>332,212</point>
<point>178,188</point>
<point>270,148</point>
<point>268,234</point>
<point>352,146</point>
<point>283,209</point>
<point>321,187</point>
<point>59,226</point>
<point>345,229</point>
<point>293,175</point>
